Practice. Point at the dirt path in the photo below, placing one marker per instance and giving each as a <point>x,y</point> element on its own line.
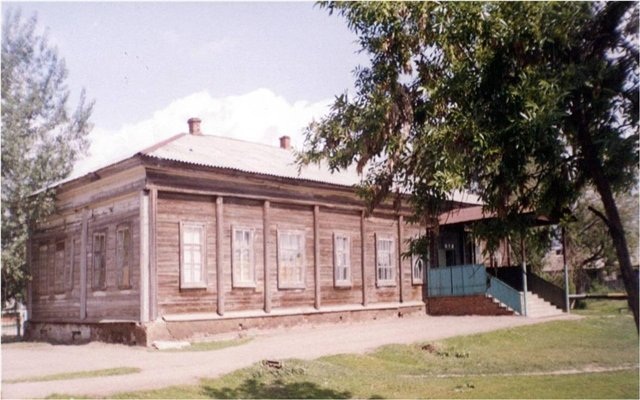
<point>160,369</point>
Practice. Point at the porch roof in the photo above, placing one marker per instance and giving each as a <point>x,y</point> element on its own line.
<point>477,213</point>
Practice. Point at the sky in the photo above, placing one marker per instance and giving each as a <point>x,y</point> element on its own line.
<point>252,71</point>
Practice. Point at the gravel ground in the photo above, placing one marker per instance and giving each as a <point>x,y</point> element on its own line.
<point>160,369</point>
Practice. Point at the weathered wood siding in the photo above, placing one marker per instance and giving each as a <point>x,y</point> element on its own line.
<point>380,227</point>
<point>114,303</point>
<point>344,223</point>
<point>173,209</point>
<point>296,218</point>
<point>243,214</point>
<point>53,300</point>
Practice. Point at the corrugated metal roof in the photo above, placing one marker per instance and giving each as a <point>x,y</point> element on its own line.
<point>239,155</point>
<point>250,157</point>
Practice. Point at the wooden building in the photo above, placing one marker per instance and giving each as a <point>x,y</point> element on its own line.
<point>201,234</point>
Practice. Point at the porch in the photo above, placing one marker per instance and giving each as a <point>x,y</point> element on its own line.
<point>476,289</point>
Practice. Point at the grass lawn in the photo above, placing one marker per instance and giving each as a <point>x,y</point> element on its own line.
<point>594,357</point>
<point>78,375</point>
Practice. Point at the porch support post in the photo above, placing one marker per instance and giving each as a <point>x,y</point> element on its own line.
<point>567,304</point>
<point>219,258</point>
<point>524,276</point>
<point>316,254</point>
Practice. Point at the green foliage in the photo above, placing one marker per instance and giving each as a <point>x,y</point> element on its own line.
<point>40,138</point>
<point>589,245</point>
<point>522,103</point>
<point>479,96</point>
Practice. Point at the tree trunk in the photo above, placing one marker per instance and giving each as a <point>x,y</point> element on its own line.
<point>616,230</point>
<point>593,166</point>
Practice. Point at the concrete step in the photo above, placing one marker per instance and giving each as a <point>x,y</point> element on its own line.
<point>539,308</point>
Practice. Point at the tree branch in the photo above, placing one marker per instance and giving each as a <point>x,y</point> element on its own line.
<point>601,216</point>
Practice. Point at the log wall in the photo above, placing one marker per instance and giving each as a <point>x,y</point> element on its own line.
<point>174,208</point>
<point>57,292</point>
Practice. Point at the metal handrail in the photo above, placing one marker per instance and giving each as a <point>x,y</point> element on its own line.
<point>505,294</point>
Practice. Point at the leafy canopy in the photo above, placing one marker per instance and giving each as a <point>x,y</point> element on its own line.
<point>40,138</point>
<point>479,96</point>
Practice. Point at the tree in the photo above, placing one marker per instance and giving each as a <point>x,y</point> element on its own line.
<point>40,139</point>
<point>589,245</point>
<point>522,103</point>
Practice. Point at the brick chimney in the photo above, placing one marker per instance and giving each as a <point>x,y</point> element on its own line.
<point>285,142</point>
<point>194,126</point>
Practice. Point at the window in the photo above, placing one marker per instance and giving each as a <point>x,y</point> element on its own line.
<point>450,254</point>
<point>417,269</point>
<point>59,281</point>
<point>384,262</point>
<point>42,270</point>
<point>291,266</point>
<point>123,256</point>
<point>243,262</point>
<point>71,265</point>
<point>192,255</point>
<point>342,260</point>
<point>99,275</point>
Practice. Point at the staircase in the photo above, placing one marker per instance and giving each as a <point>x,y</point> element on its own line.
<point>539,308</point>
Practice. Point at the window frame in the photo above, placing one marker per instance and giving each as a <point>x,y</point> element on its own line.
<point>95,286</point>
<point>236,273</point>
<point>42,270</point>
<point>392,266</point>
<point>202,283</point>
<point>282,284</point>
<point>338,282</point>
<point>70,273</point>
<point>415,258</point>
<point>59,266</point>
<point>124,227</point>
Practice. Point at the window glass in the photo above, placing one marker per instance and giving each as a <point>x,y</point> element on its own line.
<point>243,264</point>
<point>99,281</point>
<point>291,259</point>
<point>342,260</point>
<point>192,251</point>
<point>384,257</point>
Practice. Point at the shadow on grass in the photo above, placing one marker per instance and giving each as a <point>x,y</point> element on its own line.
<point>253,389</point>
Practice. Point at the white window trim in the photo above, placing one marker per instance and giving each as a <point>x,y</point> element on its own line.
<point>341,283</point>
<point>292,285</point>
<point>202,284</point>
<point>386,282</point>
<point>414,279</point>
<point>236,275</point>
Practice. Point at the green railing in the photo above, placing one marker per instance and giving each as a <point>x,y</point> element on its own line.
<point>505,293</point>
<point>466,280</point>
<point>457,280</point>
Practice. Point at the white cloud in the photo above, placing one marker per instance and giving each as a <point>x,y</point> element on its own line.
<point>259,116</point>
